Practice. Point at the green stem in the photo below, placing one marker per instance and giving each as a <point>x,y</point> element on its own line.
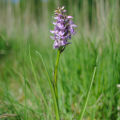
<point>55,75</point>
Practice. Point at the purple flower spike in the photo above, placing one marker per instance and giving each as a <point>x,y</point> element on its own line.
<point>64,28</point>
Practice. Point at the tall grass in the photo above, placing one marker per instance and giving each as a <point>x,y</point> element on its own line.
<point>24,87</point>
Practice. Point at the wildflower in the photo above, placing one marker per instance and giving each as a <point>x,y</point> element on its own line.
<point>64,28</point>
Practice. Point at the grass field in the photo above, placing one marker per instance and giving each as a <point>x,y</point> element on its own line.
<point>26,52</point>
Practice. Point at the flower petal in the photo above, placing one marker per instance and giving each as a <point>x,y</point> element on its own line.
<point>52,31</point>
<point>69,17</point>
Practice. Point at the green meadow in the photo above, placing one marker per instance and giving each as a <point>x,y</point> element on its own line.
<point>88,71</point>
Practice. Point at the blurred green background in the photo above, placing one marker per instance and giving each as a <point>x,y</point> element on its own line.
<point>24,29</point>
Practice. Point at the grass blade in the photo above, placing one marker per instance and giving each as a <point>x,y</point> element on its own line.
<point>51,87</point>
<point>33,69</point>
<point>91,84</point>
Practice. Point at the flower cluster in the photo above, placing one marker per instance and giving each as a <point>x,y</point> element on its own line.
<point>64,28</point>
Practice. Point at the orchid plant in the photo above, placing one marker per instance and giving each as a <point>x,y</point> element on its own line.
<point>63,30</point>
